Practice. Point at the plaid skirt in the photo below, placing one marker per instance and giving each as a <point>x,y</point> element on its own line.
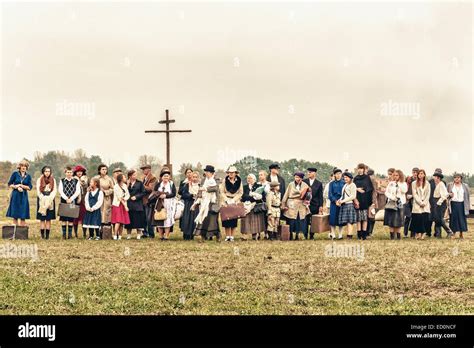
<point>362,214</point>
<point>347,214</point>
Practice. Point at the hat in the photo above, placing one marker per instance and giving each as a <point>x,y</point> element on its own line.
<point>415,169</point>
<point>146,166</point>
<point>232,169</point>
<point>438,170</point>
<point>274,166</point>
<point>209,168</point>
<point>336,170</point>
<point>312,169</point>
<point>370,171</point>
<point>78,168</point>
<point>300,174</point>
<point>439,175</point>
<point>165,170</point>
<point>457,175</point>
<point>348,174</point>
<point>117,170</point>
<point>274,184</point>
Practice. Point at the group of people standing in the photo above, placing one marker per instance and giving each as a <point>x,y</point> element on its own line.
<point>150,205</point>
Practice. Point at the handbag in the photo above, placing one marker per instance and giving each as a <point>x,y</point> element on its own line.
<point>160,215</point>
<point>260,208</point>
<point>69,210</point>
<point>179,210</point>
<point>391,205</point>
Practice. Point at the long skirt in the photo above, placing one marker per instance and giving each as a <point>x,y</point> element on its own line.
<point>209,227</point>
<point>19,207</point>
<point>120,215</point>
<point>334,212</point>
<point>82,213</point>
<point>394,218</point>
<point>348,214</point>
<point>298,224</point>
<point>186,222</point>
<point>457,219</point>
<point>50,213</point>
<point>419,222</point>
<point>253,223</point>
<point>137,220</point>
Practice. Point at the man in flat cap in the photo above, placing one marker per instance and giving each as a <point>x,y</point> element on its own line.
<point>316,202</point>
<point>275,176</point>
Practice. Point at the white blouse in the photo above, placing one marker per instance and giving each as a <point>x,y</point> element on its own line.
<point>396,190</point>
<point>458,193</point>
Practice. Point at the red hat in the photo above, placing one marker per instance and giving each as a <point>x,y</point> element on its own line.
<point>79,168</point>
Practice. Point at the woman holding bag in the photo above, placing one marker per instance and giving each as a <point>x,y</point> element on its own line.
<point>164,202</point>
<point>254,222</point>
<point>396,198</point>
<point>231,192</point>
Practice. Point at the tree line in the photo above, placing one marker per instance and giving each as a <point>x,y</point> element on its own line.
<point>57,160</point>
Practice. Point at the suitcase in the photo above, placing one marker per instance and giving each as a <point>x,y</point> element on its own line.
<point>106,231</point>
<point>15,232</point>
<point>232,211</point>
<point>70,210</point>
<point>320,223</point>
<point>284,232</point>
<point>379,216</point>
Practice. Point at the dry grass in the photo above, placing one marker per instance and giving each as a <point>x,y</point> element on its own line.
<point>178,277</point>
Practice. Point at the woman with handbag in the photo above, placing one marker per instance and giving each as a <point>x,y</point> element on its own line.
<point>20,183</point>
<point>254,222</point>
<point>46,190</point>
<point>136,211</point>
<point>348,203</point>
<point>396,198</point>
<point>69,189</point>
<point>293,206</point>
<point>120,215</point>
<point>164,199</point>
<point>189,191</point>
<point>420,213</point>
<point>231,192</point>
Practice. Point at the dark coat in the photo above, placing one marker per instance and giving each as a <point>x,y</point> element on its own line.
<point>282,183</point>
<point>316,195</point>
<point>365,199</point>
<point>137,190</point>
<point>246,195</point>
<point>153,198</point>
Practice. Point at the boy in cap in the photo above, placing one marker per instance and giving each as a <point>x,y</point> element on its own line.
<point>273,213</point>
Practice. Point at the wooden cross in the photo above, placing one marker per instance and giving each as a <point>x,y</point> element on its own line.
<point>168,131</point>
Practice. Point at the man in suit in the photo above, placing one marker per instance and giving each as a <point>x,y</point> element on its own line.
<point>316,203</point>
<point>149,181</point>
<point>275,176</point>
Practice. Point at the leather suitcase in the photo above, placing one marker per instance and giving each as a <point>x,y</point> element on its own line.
<point>232,211</point>
<point>320,223</point>
<point>15,232</point>
<point>68,210</point>
<point>106,232</point>
<point>284,232</point>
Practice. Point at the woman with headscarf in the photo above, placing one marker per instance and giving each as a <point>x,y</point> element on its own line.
<point>254,222</point>
<point>20,183</point>
<point>231,192</point>
<point>295,205</point>
<point>164,197</point>
<point>46,190</point>
<point>189,191</point>
<point>348,214</point>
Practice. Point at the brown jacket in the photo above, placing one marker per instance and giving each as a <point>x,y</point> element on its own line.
<point>294,202</point>
<point>149,182</point>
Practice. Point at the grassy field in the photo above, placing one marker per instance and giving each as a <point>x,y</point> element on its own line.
<point>378,276</point>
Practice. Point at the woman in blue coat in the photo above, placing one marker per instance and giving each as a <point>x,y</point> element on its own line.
<point>334,194</point>
<point>20,183</point>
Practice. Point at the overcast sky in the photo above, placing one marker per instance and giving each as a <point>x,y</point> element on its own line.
<point>386,84</point>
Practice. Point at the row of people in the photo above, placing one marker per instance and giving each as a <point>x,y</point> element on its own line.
<point>352,201</point>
